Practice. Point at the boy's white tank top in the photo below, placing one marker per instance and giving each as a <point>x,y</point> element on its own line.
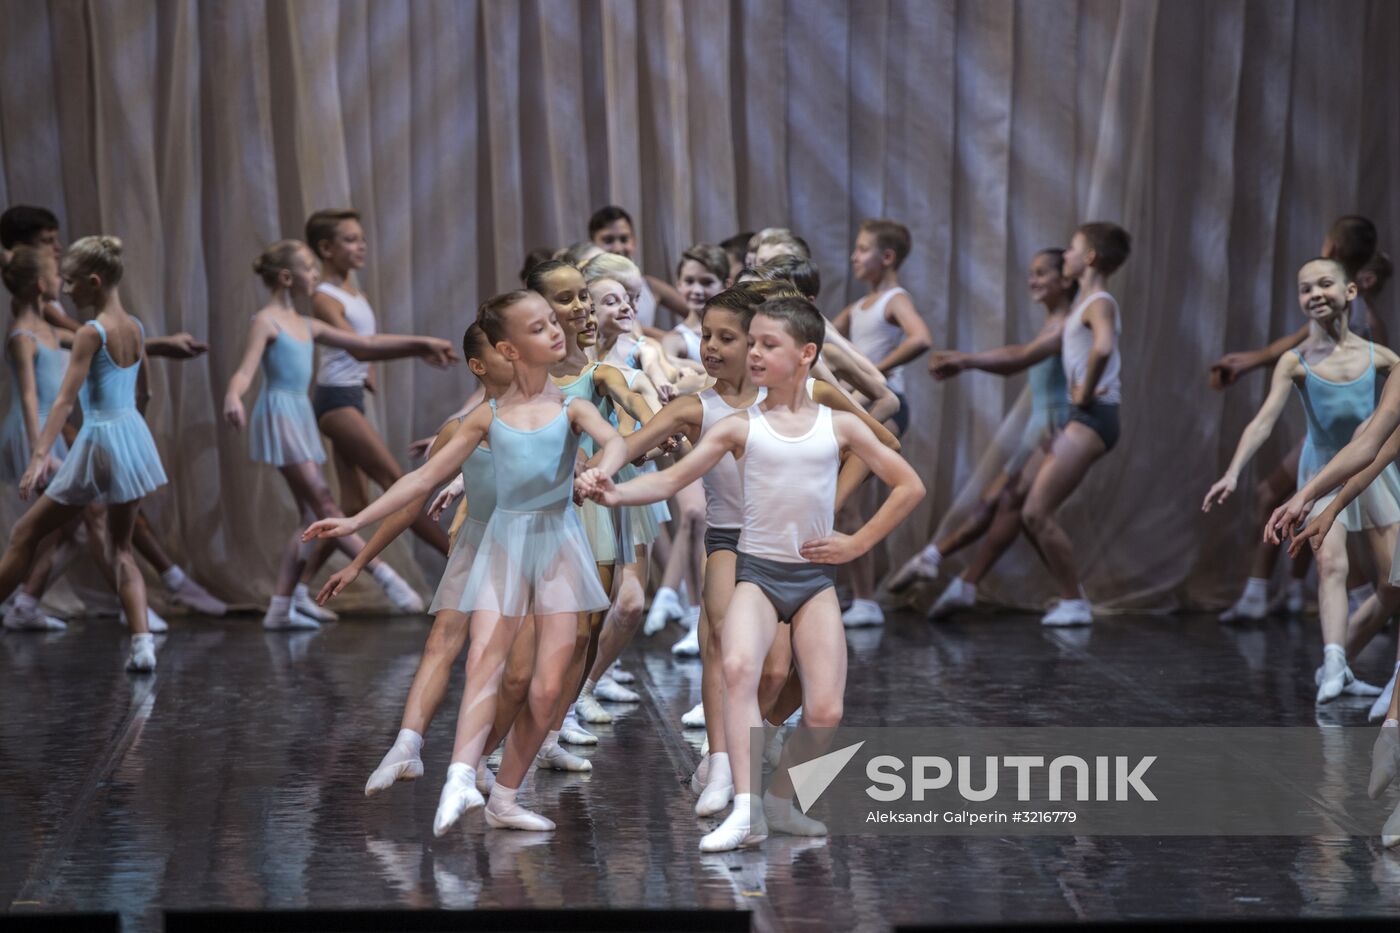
<point>789,487</point>
<point>875,337</point>
<point>1078,341</point>
<point>337,367</point>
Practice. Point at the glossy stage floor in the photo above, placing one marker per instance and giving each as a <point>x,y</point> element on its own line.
<point>234,779</point>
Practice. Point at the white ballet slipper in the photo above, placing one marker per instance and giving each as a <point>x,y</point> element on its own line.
<point>918,569</point>
<point>863,613</point>
<point>143,654</point>
<point>959,596</point>
<point>783,817</point>
<point>612,691</point>
<point>304,604</point>
<point>1382,704</point>
<point>619,675</point>
<point>514,816</point>
<point>572,733</point>
<point>402,762</point>
<point>193,596</point>
<point>740,830</point>
<point>589,710</point>
<point>694,718</point>
<point>551,757</point>
<point>1385,760</point>
<point>1069,612</point>
<point>459,797</point>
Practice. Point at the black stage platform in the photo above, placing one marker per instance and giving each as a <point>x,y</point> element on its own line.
<point>234,779</point>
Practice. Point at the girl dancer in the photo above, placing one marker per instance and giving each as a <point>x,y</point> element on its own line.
<point>283,429</point>
<point>338,240</point>
<point>997,511</point>
<point>533,559</point>
<point>113,460</point>
<point>1338,391</point>
<point>700,275</point>
<point>636,349</point>
<point>1089,350</point>
<point>789,451</point>
<point>403,761</point>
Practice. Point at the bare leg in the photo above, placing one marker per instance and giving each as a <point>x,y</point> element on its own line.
<point>979,522</point>
<point>819,648</point>
<point>718,591</point>
<point>776,668</point>
<point>625,617</point>
<point>42,519</point>
<point>554,648</point>
<point>1005,526</point>
<point>131,587</point>
<point>750,627</point>
<point>688,527</point>
<point>148,546</point>
<point>1074,451</point>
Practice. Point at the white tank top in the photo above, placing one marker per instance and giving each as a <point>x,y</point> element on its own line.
<point>789,487</point>
<point>1078,341</point>
<point>875,337</point>
<point>724,487</point>
<point>337,367</point>
<point>646,306</point>
<point>692,341</point>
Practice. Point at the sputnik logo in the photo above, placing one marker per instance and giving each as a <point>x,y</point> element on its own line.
<point>811,778</point>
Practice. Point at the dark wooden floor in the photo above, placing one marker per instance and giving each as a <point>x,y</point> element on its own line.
<point>234,778</point>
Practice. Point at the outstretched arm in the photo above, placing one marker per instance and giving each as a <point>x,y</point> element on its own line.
<point>1230,367</point>
<point>612,449</point>
<point>729,436</point>
<point>906,491</point>
<point>1256,432</point>
<point>434,350</point>
<point>680,416</point>
<point>181,346</point>
<point>612,383</point>
<point>1286,517</point>
<point>944,364</point>
<point>412,486</point>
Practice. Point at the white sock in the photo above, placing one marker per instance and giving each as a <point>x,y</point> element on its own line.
<point>382,572</point>
<point>587,691</point>
<point>931,553</point>
<point>301,592</point>
<point>1256,588</point>
<point>503,798</point>
<point>174,577</point>
<point>279,607</point>
<point>24,602</point>
<point>1392,723</point>
<point>551,738</point>
<point>1339,649</point>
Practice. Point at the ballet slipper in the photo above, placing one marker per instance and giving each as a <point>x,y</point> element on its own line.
<point>459,797</point>
<point>783,817</point>
<point>1385,760</point>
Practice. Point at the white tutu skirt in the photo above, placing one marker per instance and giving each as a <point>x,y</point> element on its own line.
<point>599,530</point>
<point>14,446</point>
<point>459,566</point>
<point>1378,505</point>
<point>113,460</point>
<point>283,431</point>
<point>640,526</point>
<point>533,563</point>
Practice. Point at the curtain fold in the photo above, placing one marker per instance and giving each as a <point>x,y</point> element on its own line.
<point>1224,135</point>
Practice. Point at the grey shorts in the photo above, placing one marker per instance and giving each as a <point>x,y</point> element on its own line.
<point>788,587</point>
<point>721,539</point>
<point>1100,418</point>
<point>328,398</point>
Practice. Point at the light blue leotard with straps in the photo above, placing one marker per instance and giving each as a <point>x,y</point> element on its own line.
<point>1334,411</point>
<point>113,458</point>
<point>534,557</point>
<point>49,365</point>
<point>1049,409</point>
<point>282,430</point>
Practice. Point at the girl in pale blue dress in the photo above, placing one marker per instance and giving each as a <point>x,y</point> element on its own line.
<point>534,558</point>
<point>113,460</point>
<point>283,432</point>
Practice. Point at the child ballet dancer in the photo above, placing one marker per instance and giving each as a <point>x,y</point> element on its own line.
<point>37,227</point>
<point>1351,240</point>
<point>700,275</point>
<point>1338,392</point>
<point>403,761</point>
<point>886,328</point>
<point>113,460</point>
<point>282,431</point>
<point>725,353</point>
<point>997,513</point>
<point>37,361</point>
<point>637,349</point>
<point>533,559</point>
<point>338,240</point>
<point>1093,366</point>
<point>789,450</point>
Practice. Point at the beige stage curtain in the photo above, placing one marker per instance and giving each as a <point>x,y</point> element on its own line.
<point>1224,134</point>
